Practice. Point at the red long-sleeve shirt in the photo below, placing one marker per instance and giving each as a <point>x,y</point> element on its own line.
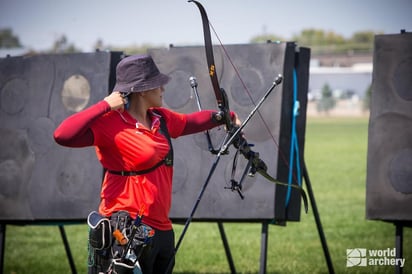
<point>123,144</point>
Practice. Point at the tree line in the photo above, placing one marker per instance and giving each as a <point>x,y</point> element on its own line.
<point>320,42</point>
<point>327,42</point>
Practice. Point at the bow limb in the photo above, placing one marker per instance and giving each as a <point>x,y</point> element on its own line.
<point>221,96</point>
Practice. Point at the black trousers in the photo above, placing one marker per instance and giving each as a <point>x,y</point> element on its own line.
<point>154,260</point>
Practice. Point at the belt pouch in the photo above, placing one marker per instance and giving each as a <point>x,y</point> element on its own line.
<point>100,232</point>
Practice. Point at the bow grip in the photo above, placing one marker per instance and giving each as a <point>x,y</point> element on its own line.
<point>223,105</point>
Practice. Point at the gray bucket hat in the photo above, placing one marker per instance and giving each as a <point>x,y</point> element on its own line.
<point>138,73</point>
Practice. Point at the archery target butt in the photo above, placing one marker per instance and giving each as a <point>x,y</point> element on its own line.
<point>40,180</point>
<point>389,173</point>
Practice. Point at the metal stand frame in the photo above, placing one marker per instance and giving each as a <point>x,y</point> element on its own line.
<point>264,247</point>
<point>67,248</point>
<point>399,225</point>
<point>317,220</point>
<point>398,245</point>
<point>227,248</point>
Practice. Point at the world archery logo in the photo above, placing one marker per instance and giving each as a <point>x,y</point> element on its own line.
<point>373,257</point>
<point>356,257</point>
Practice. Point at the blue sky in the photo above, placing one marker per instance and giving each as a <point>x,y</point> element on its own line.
<point>38,23</point>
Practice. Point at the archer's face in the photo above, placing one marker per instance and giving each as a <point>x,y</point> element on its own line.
<point>154,97</point>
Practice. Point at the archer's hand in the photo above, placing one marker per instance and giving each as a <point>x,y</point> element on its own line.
<point>116,101</point>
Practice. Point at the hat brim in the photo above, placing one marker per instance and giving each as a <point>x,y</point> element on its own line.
<point>152,83</point>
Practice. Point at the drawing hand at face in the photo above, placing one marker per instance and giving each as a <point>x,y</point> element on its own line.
<point>116,100</point>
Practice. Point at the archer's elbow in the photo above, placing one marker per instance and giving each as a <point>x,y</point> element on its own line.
<point>61,138</point>
<point>68,140</point>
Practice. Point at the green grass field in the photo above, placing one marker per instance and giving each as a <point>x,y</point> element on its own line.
<point>335,155</point>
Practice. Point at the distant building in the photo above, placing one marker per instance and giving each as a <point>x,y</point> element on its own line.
<point>344,81</point>
<point>346,75</point>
